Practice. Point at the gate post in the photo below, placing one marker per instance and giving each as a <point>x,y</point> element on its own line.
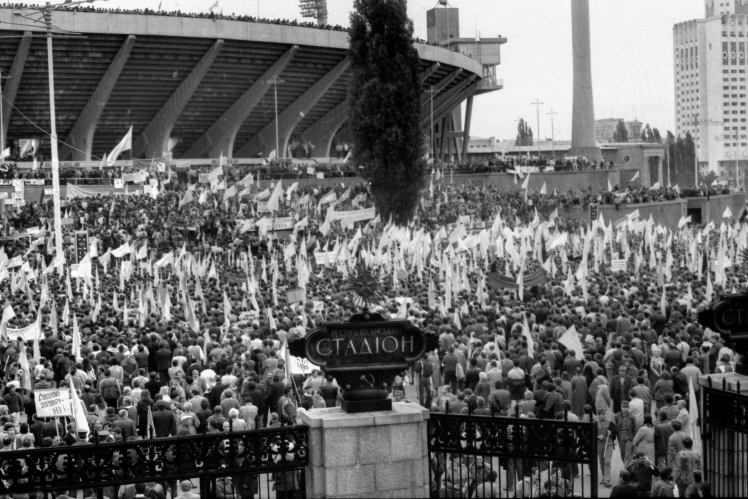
<point>724,433</point>
<point>368,454</point>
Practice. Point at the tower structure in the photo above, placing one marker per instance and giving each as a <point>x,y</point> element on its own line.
<point>583,142</point>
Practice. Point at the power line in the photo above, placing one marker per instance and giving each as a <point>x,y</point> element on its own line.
<point>44,131</point>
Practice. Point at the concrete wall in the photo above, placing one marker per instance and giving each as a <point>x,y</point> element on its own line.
<point>667,213</point>
<point>561,181</point>
<point>32,193</point>
<point>713,209</point>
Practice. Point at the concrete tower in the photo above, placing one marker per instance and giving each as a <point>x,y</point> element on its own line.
<point>583,141</point>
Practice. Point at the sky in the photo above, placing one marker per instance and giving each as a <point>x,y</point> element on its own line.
<point>632,54</point>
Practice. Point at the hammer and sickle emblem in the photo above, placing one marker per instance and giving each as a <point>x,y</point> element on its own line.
<point>368,379</point>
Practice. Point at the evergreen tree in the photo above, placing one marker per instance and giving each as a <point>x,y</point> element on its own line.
<point>650,135</point>
<point>680,153</point>
<point>689,154</point>
<point>621,133</point>
<point>670,159</point>
<point>656,136</point>
<point>385,106</point>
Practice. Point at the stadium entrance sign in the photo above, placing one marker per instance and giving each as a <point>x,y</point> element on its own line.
<point>364,355</point>
<point>728,315</point>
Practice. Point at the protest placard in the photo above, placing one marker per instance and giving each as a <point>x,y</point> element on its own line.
<point>618,265</point>
<point>53,403</point>
<point>297,295</point>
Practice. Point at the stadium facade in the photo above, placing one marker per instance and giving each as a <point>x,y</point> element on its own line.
<point>197,87</point>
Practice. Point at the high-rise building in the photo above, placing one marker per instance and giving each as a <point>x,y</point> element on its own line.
<point>710,86</point>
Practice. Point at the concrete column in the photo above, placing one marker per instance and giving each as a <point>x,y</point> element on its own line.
<point>13,81</point>
<point>429,72</point>
<point>82,134</point>
<point>583,141</point>
<point>221,135</point>
<point>370,454</point>
<point>323,131</point>
<point>468,119</point>
<point>660,176</point>
<point>153,140</point>
<point>264,142</point>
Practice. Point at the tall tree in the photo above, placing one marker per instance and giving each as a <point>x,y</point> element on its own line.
<point>689,154</point>
<point>385,106</point>
<point>670,160</point>
<point>656,135</point>
<point>621,133</point>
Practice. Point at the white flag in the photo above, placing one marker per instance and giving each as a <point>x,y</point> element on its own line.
<point>124,145</point>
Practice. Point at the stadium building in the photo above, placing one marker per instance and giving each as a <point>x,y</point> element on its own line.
<point>200,87</point>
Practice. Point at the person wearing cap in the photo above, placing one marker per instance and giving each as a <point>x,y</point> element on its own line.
<point>627,428</point>
<point>624,488</point>
<point>607,433</point>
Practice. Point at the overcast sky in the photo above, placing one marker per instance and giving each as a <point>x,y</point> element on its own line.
<point>632,63</point>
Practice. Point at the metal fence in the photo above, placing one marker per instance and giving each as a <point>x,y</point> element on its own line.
<point>484,456</point>
<point>238,465</point>
<point>724,434</point>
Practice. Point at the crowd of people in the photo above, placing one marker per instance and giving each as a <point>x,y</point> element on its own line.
<point>156,321</point>
<point>179,13</point>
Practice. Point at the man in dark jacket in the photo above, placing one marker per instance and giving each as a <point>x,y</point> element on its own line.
<point>624,488</point>
<point>163,363</point>
<point>620,386</point>
<point>275,392</point>
<point>164,421</point>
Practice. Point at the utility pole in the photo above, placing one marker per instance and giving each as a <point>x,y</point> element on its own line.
<point>2,124</point>
<point>553,133</point>
<point>275,80</point>
<point>537,105</point>
<point>433,146</point>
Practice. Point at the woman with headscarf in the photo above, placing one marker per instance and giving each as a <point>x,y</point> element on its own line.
<point>603,402</point>
<point>644,441</point>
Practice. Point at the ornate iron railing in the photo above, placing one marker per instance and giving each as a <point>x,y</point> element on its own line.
<point>270,450</point>
<point>520,438</point>
<point>724,433</point>
<point>465,451</point>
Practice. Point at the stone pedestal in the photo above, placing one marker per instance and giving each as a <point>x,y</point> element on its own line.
<point>368,454</point>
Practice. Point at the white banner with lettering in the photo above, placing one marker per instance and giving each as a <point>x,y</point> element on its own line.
<point>354,215</point>
<point>28,333</point>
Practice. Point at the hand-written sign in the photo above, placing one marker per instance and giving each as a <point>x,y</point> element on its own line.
<point>618,265</point>
<point>371,344</point>
<point>297,295</point>
<point>52,403</point>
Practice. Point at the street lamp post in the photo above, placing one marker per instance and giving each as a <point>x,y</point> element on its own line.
<point>433,146</point>
<point>537,105</point>
<point>275,80</point>
<point>553,133</point>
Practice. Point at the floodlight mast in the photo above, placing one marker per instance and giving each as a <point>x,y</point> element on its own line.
<point>316,9</point>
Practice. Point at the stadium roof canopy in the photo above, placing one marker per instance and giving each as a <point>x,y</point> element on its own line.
<point>207,83</point>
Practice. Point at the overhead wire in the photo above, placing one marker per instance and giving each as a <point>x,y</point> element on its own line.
<point>46,132</point>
